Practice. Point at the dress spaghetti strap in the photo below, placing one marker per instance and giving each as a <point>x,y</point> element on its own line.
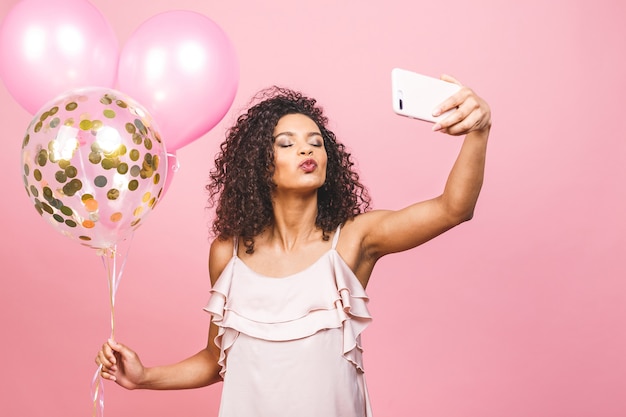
<point>336,237</point>
<point>235,245</point>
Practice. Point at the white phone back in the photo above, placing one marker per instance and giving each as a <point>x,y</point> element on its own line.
<point>415,95</point>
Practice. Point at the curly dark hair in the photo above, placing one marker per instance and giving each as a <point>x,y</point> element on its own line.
<point>241,183</point>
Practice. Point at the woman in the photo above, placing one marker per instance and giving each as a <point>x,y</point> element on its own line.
<point>296,245</point>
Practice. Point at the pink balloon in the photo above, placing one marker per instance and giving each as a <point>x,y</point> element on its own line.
<point>48,47</point>
<point>184,69</point>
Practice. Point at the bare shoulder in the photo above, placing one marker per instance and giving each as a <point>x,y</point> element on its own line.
<point>360,229</point>
<point>353,244</point>
<point>220,253</point>
<point>370,218</point>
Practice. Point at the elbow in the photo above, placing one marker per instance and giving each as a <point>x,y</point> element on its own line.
<point>468,216</point>
<point>461,216</point>
<point>458,211</point>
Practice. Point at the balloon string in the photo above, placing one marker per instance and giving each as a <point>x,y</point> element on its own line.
<point>114,276</point>
<point>97,394</point>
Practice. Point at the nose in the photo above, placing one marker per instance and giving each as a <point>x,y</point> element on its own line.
<point>306,149</point>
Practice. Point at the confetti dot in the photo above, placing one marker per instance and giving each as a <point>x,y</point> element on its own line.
<point>42,157</point>
<point>85,124</point>
<point>113,194</point>
<point>100,181</point>
<point>47,193</point>
<point>95,158</point>
<point>71,171</point>
<point>108,163</point>
<point>60,176</point>
<point>72,187</point>
<point>122,168</point>
<point>91,204</point>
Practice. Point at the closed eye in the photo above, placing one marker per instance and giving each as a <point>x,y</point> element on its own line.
<point>315,139</point>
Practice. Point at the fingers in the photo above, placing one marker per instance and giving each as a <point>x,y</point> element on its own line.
<point>106,355</point>
<point>107,359</point>
<point>453,101</point>
<point>465,117</point>
<point>108,374</point>
<point>471,112</point>
<point>450,79</point>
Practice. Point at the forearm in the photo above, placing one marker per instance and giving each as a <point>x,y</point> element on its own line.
<point>466,177</point>
<point>196,371</point>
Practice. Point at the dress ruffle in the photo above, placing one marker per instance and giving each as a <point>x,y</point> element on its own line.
<point>290,308</point>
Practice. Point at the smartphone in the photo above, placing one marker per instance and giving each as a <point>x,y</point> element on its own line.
<point>415,95</point>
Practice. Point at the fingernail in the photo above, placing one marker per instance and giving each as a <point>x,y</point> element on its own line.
<point>436,112</point>
<point>436,127</point>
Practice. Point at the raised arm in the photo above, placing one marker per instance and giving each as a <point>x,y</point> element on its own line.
<point>384,232</point>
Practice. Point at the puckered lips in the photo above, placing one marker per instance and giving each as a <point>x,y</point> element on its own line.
<point>308,165</point>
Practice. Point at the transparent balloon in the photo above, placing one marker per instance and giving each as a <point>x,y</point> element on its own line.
<point>94,165</point>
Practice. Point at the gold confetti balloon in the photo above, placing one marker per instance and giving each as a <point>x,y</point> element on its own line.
<point>94,165</point>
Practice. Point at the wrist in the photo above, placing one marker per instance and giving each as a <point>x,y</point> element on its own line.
<point>144,379</point>
<point>481,133</point>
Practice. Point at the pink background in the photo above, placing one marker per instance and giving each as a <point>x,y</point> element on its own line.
<point>520,312</point>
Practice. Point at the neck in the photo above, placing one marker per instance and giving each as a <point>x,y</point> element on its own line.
<point>294,221</point>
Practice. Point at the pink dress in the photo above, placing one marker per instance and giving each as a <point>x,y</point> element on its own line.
<point>291,346</point>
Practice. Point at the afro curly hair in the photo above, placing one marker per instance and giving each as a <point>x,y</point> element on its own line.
<point>241,185</point>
